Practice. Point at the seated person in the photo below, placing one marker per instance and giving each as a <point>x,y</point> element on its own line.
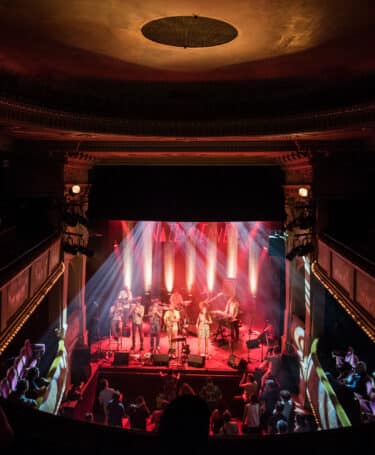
<point>20,394</point>
<point>37,385</point>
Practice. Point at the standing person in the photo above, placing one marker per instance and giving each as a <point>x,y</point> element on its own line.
<point>176,299</point>
<point>126,298</point>
<point>115,410</point>
<point>125,294</point>
<point>137,313</point>
<point>155,317</point>
<point>203,323</point>
<point>115,313</point>
<point>231,311</point>
<point>171,319</point>
<point>104,397</point>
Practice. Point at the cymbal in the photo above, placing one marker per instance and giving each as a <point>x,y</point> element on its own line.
<point>186,302</point>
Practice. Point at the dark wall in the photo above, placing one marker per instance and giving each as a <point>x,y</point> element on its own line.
<point>187,193</point>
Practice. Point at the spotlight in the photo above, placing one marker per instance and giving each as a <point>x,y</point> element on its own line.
<point>75,189</point>
<point>303,191</point>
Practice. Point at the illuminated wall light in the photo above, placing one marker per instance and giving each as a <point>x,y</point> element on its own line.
<point>232,250</point>
<point>147,255</point>
<point>303,191</point>
<point>169,265</point>
<point>211,256</point>
<point>75,189</point>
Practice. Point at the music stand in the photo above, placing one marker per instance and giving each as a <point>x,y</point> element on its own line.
<point>178,340</point>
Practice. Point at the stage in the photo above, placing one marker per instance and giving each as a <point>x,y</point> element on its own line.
<point>223,356</point>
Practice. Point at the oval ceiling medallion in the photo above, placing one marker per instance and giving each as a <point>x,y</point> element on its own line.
<point>189,31</point>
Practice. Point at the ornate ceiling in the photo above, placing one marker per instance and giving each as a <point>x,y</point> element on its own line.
<point>295,72</point>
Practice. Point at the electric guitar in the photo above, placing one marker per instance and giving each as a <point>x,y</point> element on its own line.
<point>210,299</point>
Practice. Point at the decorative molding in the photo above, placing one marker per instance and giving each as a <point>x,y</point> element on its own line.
<point>12,112</point>
<point>9,333</point>
<point>364,320</point>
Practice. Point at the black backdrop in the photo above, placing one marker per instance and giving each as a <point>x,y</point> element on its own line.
<point>187,193</point>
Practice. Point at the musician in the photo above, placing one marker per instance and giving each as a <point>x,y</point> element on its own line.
<point>155,316</point>
<point>125,294</point>
<point>203,323</point>
<point>137,312</point>
<point>176,299</point>
<point>171,320</point>
<point>115,314</point>
<point>126,297</point>
<point>231,311</point>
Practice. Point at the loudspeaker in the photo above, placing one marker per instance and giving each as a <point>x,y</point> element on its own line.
<point>197,361</point>
<point>121,358</point>
<point>237,363</point>
<point>161,360</point>
<point>80,365</point>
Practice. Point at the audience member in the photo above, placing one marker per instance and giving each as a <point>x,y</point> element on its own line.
<point>138,414</point>
<point>184,426</point>
<point>251,416</point>
<point>104,397</point>
<point>216,421</point>
<point>116,410</point>
<point>229,427</point>
<point>20,394</point>
<point>211,393</point>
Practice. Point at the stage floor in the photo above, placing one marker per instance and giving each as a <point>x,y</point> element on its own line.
<point>220,351</point>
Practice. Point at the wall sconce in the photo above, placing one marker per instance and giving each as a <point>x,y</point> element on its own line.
<point>75,189</point>
<point>303,191</point>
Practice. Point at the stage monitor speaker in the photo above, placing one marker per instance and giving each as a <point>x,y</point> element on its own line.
<point>197,361</point>
<point>237,363</point>
<point>161,360</point>
<point>121,358</point>
<point>80,365</point>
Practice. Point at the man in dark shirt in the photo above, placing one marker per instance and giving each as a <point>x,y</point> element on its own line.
<point>138,414</point>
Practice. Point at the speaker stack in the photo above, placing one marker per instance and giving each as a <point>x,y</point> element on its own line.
<point>161,360</point>
<point>197,361</point>
<point>80,365</point>
<point>121,358</point>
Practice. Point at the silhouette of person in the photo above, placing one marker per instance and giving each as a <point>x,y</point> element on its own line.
<point>184,426</point>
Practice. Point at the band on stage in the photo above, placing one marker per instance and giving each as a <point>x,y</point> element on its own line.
<point>127,316</point>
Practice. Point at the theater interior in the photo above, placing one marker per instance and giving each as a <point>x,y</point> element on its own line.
<point>222,151</point>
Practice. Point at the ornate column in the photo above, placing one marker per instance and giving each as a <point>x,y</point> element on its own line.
<point>299,224</point>
<point>75,231</point>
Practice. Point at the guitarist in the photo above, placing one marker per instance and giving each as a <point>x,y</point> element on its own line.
<point>231,311</point>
